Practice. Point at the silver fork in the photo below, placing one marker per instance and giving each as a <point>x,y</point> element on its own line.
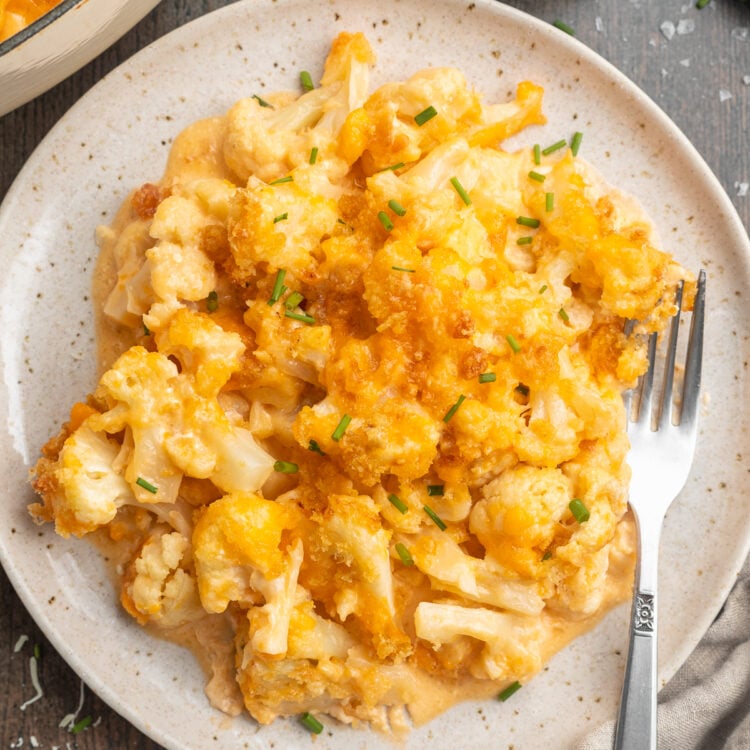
<point>662,447</point>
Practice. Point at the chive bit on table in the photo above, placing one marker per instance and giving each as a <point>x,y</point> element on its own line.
<point>311,723</point>
<point>306,81</point>
<point>84,723</point>
<point>575,143</point>
<point>564,27</point>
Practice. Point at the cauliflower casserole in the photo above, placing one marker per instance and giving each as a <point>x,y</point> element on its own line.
<point>358,437</point>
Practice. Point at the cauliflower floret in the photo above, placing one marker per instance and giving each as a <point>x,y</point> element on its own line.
<point>270,141</point>
<point>157,588</point>
<point>513,642</point>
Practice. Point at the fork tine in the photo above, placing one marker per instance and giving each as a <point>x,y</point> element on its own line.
<point>694,356</point>
<point>645,394</point>
<point>665,404</point>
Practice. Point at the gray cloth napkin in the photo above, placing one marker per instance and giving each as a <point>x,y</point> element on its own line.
<point>706,705</point>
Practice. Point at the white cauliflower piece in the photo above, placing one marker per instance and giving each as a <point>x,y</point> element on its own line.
<point>157,588</point>
<point>512,648</point>
<point>270,141</point>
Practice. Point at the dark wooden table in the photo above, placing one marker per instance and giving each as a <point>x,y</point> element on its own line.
<point>700,78</point>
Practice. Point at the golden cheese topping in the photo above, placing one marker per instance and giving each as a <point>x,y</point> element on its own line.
<point>16,15</point>
<point>360,420</point>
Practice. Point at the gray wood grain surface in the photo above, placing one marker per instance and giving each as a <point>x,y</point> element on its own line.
<point>701,79</point>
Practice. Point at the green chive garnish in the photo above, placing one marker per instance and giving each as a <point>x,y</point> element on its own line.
<point>285,467</point>
<point>405,270</point>
<point>404,554</point>
<point>385,221</point>
<point>512,688</point>
<point>436,489</point>
<point>549,201</point>
<point>313,155</point>
<point>141,482</point>
<point>564,27</point>
<point>315,448</point>
<point>537,154</point>
<point>512,343</point>
<point>542,289</point>
<point>579,510</point>
<point>522,389</point>
<point>575,143</point>
<point>311,723</point>
<point>547,555</point>
<point>212,302</point>
<point>277,286</point>
<point>262,102</point>
<point>338,433</point>
<point>527,240</point>
<point>396,207</point>
<point>461,190</point>
<point>425,116</point>
<point>487,377</point>
<point>526,221</point>
<point>398,503</point>
<point>449,414</point>
<point>435,517</point>
<point>301,317</point>
<point>78,727</point>
<point>306,80</point>
<point>280,217</point>
<point>561,312</point>
<point>146,331</point>
<point>555,147</point>
<point>393,167</point>
<point>537,177</point>
<point>37,651</point>
<point>702,4</point>
<point>293,300</point>
<point>282,180</point>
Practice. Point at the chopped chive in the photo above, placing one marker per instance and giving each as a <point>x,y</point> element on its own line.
<point>37,651</point>
<point>404,554</point>
<point>564,27</point>
<point>436,489</point>
<point>527,240</point>
<point>549,201</point>
<point>398,503</point>
<point>547,555</point>
<point>487,377</point>
<point>146,331</point>
<point>277,286</point>
<point>338,433</point>
<point>523,389</point>
<point>396,207</point>
<point>280,217</point>
<point>537,154</point>
<point>435,517</point>
<point>315,448</point>
<point>311,723</point>
<point>385,221</point>
<point>262,102</point>
<point>212,302</point>
<point>579,510</point>
<point>555,147</point>
<point>449,414</point>
<point>542,289</point>
<point>461,190</point>
<point>282,180</point>
<point>405,270</point>
<point>301,317</point>
<point>561,312</point>
<point>526,221</point>
<point>313,155</point>
<point>393,167</point>
<point>425,115</point>
<point>286,467</point>
<point>575,143</point>
<point>293,300</point>
<point>141,482</point>
<point>84,723</point>
<point>512,343</point>
<point>512,688</point>
<point>701,4</point>
<point>536,176</point>
<point>306,80</point>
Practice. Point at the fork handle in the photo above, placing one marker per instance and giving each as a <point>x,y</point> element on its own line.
<point>636,722</point>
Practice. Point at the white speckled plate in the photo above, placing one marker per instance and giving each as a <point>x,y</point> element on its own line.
<point>117,137</point>
<point>59,43</point>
